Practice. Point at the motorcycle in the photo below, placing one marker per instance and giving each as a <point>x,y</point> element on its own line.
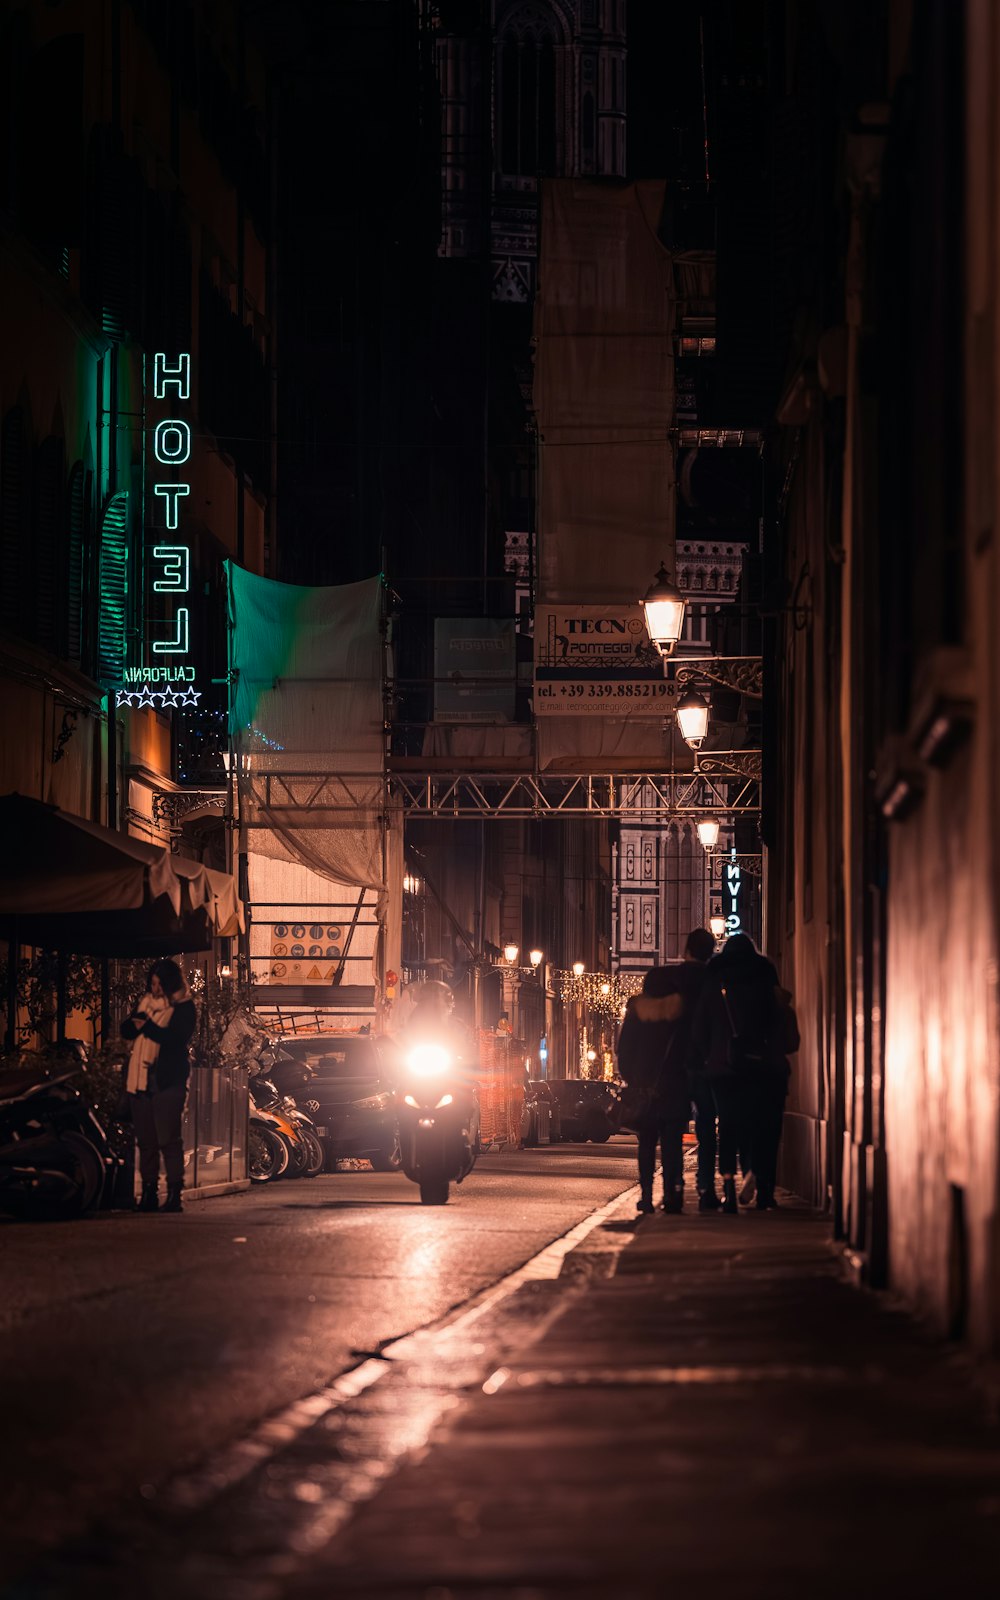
<point>55,1156</point>
<point>268,1152</point>
<point>306,1155</point>
<point>438,1120</point>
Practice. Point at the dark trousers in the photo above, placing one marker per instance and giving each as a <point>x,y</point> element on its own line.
<point>766,1113</point>
<point>732,1101</point>
<point>704,1128</point>
<point>667,1131</point>
<point>156,1119</point>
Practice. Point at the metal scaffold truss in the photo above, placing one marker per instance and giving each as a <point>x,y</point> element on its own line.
<point>728,784</point>
<point>631,797</point>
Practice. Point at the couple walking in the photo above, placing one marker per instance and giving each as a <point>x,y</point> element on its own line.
<point>715,1031</point>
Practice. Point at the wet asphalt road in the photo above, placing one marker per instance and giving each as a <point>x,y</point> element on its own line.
<point>131,1347</point>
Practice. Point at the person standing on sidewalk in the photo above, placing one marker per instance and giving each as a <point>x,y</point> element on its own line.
<point>651,1056</point>
<point>160,1026</point>
<point>698,952</point>
<point>739,1037</point>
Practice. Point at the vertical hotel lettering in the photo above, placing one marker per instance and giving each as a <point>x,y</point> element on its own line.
<point>168,561</point>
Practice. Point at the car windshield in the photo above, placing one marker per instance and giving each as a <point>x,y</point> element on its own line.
<point>331,1057</point>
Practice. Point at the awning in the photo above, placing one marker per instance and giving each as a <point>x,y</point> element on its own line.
<point>69,884</point>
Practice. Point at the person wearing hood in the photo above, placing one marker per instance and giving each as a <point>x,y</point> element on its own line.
<point>740,1037</point>
<point>160,1027</point>
<point>652,1055</point>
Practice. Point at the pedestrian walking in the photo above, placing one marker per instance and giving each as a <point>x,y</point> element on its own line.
<point>740,1037</point>
<point>652,1061</point>
<point>698,952</point>
<point>160,1026</point>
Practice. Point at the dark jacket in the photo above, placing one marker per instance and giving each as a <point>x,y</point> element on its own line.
<point>172,1065</point>
<point>741,995</point>
<point>653,1043</point>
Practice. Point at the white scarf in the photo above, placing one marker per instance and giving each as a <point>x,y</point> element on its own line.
<point>145,1051</point>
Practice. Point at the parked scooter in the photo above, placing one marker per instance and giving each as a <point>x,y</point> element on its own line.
<point>306,1155</point>
<point>438,1119</point>
<point>54,1153</point>
<point>267,1150</point>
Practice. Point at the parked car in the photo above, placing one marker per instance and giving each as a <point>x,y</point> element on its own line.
<point>588,1109</point>
<point>345,1083</point>
<point>541,1119</point>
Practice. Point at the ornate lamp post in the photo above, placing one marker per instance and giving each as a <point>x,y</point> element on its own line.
<point>664,604</point>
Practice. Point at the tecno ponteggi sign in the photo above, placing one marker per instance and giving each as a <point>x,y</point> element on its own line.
<point>594,660</point>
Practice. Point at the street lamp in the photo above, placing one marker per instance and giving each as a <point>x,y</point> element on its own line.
<point>510,953</point>
<point>579,968</point>
<point>717,924</point>
<point>692,717</point>
<point>663,604</point>
<point>535,957</point>
<point>708,832</point>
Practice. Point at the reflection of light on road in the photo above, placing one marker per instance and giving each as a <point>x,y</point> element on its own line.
<point>427,1256</point>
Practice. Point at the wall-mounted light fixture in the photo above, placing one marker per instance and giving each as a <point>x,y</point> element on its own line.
<point>708,832</point>
<point>692,717</point>
<point>663,604</point>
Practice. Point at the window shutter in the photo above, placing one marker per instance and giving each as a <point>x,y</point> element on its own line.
<point>114,591</point>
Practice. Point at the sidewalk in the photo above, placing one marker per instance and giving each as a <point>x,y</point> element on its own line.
<point>701,1403</point>
<point>726,1411</point>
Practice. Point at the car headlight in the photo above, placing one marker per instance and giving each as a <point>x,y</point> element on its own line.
<point>428,1060</point>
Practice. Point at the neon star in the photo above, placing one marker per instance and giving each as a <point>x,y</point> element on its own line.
<point>190,697</point>
<point>170,697</point>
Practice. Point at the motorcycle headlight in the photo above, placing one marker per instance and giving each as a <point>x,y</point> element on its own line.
<point>428,1060</point>
<point>408,1100</point>
<point>445,1100</point>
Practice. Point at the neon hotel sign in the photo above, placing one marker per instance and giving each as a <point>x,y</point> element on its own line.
<point>169,680</point>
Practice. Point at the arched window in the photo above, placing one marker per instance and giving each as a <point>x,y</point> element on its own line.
<point>526,99</point>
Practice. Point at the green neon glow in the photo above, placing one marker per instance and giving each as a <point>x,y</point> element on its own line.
<point>176,578</point>
<point>180,644</point>
<point>113,590</point>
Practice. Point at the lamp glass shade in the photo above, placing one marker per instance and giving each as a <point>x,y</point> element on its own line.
<point>579,968</point>
<point>663,604</point>
<point>708,832</point>
<point>535,957</point>
<point>692,717</point>
<point>510,953</point>
<point>717,925</point>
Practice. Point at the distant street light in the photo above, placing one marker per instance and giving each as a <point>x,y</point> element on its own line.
<point>535,957</point>
<point>708,832</point>
<point>510,954</point>
<point>692,717</point>
<point>579,968</point>
<point>717,923</point>
<point>663,604</point>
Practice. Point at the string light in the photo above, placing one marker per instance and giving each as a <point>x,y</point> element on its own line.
<point>604,993</point>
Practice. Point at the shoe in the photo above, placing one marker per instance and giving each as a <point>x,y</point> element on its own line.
<point>673,1203</point>
<point>749,1189</point>
<point>708,1200</point>
<point>729,1206</point>
<point>149,1200</point>
<point>645,1207</point>
<point>173,1200</point>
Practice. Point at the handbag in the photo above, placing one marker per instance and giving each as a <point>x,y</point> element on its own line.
<point>744,1053</point>
<point>638,1100</point>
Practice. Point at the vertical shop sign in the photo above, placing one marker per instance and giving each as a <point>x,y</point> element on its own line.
<point>165,676</point>
<point>732,888</point>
